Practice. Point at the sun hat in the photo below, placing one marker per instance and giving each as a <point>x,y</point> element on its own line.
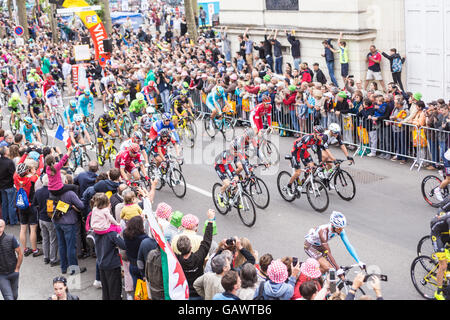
<point>189,222</point>
<point>277,271</point>
<point>342,94</point>
<point>417,96</point>
<point>177,216</point>
<point>163,211</point>
<point>310,268</point>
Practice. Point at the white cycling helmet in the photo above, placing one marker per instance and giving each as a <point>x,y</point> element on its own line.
<point>150,110</point>
<point>78,117</point>
<point>338,220</point>
<point>335,128</point>
<point>447,155</point>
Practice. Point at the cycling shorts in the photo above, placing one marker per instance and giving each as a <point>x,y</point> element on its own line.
<point>212,107</point>
<point>313,251</point>
<point>100,136</point>
<point>221,172</point>
<point>129,167</point>
<point>439,242</point>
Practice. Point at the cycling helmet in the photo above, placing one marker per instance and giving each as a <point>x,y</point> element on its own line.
<point>266,99</point>
<point>32,71</point>
<point>140,96</point>
<point>111,114</point>
<point>73,103</point>
<point>185,85</point>
<point>15,96</point>
<point>164,133</point>
<point>184,93</point>
<point>166,116</point>
<point>152,83</point>
<point>150,110</point>
<point>78,117</point>
<point>87,92</point>
<point>147,123</point>
<point>318,129</point>
<point>134,148</point>
<point>335,128</point>
<point>39,94</point>
<point>22,169</point>
<point>137,135</point>
<point>28,120</point>
<point>220,92</point>
<point>249,133</point>
<point>338,220</point>
<point>119,89</point>
<point>234,146</point>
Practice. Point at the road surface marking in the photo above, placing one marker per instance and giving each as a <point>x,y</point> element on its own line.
<point>201,191</point>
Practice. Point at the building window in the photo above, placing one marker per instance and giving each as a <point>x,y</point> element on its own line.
<point>282,5</point>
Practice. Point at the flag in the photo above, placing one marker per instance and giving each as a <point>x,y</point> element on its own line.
<point>175,283</point>
<point>63,135</point>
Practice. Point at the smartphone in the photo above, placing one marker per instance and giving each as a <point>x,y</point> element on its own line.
<point>294,261</point>
<point>351,76</point>
<point>382,277</point>
<point>332,280</point>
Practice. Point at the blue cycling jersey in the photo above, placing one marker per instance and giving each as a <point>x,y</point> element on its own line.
<point>213,98</point>
<point>69,113</point>
<point>159,125</point>
<point>83,104</point>
<point>28,133</point>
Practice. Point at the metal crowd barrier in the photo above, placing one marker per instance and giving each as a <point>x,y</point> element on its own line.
<point>422,145</point>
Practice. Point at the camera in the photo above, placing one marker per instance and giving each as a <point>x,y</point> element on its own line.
<point>160,72</point>
<point>230,241</point>
<point>332,280</point>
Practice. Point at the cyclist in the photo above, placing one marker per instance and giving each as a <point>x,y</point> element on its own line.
<point>76,131</point>
<point>29,129</point>
<point>439,190</point>
<point>120,100</point>
<point>125,161</point>
<point>261,110</point>
<point>239,149</point>
<point>300,152</point>
<point>13,105</point>
<point>440,237</point>
<point>333,132</point>
<point>31,88</point>
<point>83,103</point>
<point>48,83</point>
<point>69,112</point>
<point>137,138</point>
<point>53,97</point>
<point>158,148</point>
<point>136,107</point>
<point>3,77</point>
<point>224,169</point>
<point>212,102</point>
<point>36,107</point>
<point>182,102</point>
<point>164,123</point>
<point>107,84</point>
<point>103,130</point>
<point>147,121</point>
<point>33,75</point>
<point>10,82</point>
<point>316,242</point>
<point>150,92</point>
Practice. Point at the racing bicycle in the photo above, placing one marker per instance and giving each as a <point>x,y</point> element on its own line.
<point>236,196</point>
<point>256,188</point>
<point>109,152</point>
<point>429,184</point>
<point>315,190</point>
<point>339,180</point>
<point>79,157</point>
<point>168,173</point>
<point>221,123</point>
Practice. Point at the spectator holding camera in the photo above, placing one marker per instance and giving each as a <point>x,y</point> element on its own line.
<point>359,281</point>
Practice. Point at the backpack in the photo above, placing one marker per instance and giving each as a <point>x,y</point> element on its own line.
<point>22,199</point>
<point>397,65</point>
<point>56,208</point>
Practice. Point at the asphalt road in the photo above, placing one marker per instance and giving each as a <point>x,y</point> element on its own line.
<point>386,219</point>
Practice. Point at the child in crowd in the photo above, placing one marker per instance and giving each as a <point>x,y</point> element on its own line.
<point>55,184</point>
<point>131,208</point>
<point>101,219</point>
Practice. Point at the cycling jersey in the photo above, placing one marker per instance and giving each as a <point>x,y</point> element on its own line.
<point>36,106</point>
<point>52,96</point>
<point>127,144</point>
<point>29,133</point>
<point>212,100</point>
<point>77,130</point>
<point>300,150</point>
<point>31,88</point>
<point>313,243</point>
<point>119,98</point>
<point>158,126</point>
<point>83,104</point>
<point>440,230</point>
<point>223,165</point>
<point>125,161</point>
<point>147,122</point>
<point>68,112</point>
<point>137,106</point>
<point>258,113</point>
<point>14,103</point>
<point>104,124</point>
<point>178,103</point>
<point>160,143</point>
<point>328,138</point>
<point>149,90</point>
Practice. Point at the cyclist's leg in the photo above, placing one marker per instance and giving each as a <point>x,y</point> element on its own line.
<point>439,244</point>
<point>315,253</point>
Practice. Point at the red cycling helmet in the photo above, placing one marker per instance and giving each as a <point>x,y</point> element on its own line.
<point>134,148</point>
<point>266,99</point>
<point>151,83</point>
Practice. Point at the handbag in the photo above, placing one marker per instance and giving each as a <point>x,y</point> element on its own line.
<point>141,292</point>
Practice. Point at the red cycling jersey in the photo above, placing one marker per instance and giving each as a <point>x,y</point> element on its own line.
<point>259,111</point>
<point>124,160</point>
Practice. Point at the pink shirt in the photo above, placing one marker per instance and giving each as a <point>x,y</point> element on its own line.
<point>102,219</point>
<point>55,181</point>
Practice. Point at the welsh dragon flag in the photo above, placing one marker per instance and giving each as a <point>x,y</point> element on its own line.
<point>175,283</point>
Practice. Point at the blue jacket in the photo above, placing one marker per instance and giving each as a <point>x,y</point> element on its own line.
<point>85,180</point>
<point>225,296</point>
<point>380,112</point>
<point>278,291</point>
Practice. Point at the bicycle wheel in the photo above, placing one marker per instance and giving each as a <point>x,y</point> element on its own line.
<point>50,123</point>
<point>177,183</point>
<point>215,193</point>
<point>127,126</point>
<point>59,119</point>
<point>194,127</point>
<point>189,136</point>
<point>153,173</point>
<point>210,127</point>
<point>425,247</point>
<point>112,155</point>
<point>246,210</point>
<point>44,135</point>
<point>423,276</point>
<point>14,125</point>
<point>282,182</point>
<point>344,185</point>
<point>270,153</point>
<point>430,183</point>
<point>228,130</point>
<point>259,193</point>
<point>317,195</point>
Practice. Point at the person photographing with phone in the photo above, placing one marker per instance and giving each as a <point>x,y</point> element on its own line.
<point>316,243</point>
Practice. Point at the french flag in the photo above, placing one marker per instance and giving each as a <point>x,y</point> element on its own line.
<point>63,135</point>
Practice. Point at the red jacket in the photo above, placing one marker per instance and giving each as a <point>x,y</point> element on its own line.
<point>27,182</point>
<point>252,89</point>
<point>306,76</point>
<point>290,101</point>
